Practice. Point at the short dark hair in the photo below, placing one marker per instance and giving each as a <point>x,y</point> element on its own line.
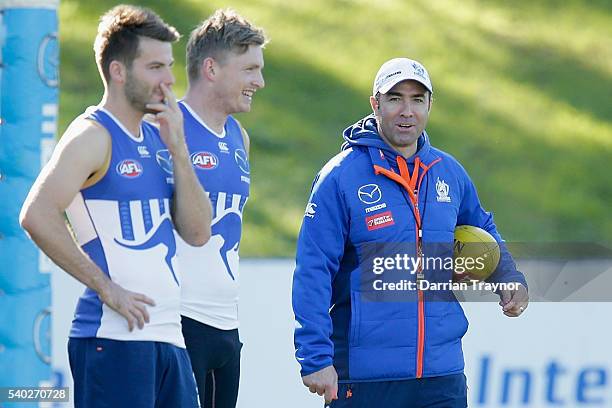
<point>225,30</point>
<point>119,34</point>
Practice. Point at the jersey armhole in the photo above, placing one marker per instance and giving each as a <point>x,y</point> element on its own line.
<point>246,142</point>
<point>101,172</point>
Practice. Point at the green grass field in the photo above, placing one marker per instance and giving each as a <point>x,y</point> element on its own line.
<point>523,98</point>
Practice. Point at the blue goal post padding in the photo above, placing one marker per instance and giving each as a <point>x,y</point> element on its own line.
<point>28,113</point>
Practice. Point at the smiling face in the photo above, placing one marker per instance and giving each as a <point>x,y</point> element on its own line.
<point>152,67</point>
<point>402,115</point>
<point>237,78</point>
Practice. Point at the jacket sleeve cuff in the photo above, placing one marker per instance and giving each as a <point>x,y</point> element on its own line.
<point>310,369</point>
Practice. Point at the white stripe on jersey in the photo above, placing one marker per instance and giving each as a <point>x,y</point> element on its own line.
<point>220,209</point>
<point>154,206</point>
<point>236,203</point>
<point>80,221</point>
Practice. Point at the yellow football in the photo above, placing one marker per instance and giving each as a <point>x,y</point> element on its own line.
<point>476,253</point>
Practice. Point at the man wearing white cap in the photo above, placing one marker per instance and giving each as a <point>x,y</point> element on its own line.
<point>367,332</point>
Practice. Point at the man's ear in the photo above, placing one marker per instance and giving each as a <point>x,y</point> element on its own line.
<point>117,71</point>
<point>208,68</point>
<point>375,104</point>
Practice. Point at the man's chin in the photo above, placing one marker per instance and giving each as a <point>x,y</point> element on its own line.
<point>404,141</point>
<point>141,107</point>
<point>244,105</point>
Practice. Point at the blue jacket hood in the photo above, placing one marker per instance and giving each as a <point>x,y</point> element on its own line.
<point>365,133</point>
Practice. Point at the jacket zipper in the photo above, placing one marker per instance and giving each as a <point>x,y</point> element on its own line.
<point>414,199</point>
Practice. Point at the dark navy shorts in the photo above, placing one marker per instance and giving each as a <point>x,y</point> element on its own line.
<point>449,391</point>
<point>131,374</point>
<point>215,357</point>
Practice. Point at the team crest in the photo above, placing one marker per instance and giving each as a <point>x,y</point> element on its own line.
<point>442,191</point>
<point>418,70</point>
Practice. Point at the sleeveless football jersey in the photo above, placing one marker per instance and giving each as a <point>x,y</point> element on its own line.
<point>210,273</point>
<point>122,221</point>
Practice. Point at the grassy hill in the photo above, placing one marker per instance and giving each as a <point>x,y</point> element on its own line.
<point>523,100</point>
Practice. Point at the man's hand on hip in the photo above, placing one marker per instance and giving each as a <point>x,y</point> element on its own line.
<point>128,304</point>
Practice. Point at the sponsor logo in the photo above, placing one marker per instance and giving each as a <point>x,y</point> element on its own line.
<point>204,161</point>
<point>245,179</point>
<point>164,159</point>
<point>369,194</point>
<point>392,74</point>
<point>442,191</point>
<point>143,152</point>
<point>378,221</point>
<point>242,160</point>
<point>376,207</point>
<point>311,210</point>
<point>383,79</point>
<point>223,147</point>
<point>129,168</point>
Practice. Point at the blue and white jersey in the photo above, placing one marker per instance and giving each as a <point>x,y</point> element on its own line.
<point>121,219</point>
<point>210,273</point>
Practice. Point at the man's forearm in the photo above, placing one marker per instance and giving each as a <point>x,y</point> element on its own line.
<point>192,208</point>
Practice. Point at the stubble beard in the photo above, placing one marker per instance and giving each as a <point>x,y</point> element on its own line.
<point>137,94</point>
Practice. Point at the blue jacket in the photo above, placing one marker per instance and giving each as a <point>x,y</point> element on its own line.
<point>359,203</point>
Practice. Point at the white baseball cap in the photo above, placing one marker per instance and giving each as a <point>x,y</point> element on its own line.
<point>397,70</point>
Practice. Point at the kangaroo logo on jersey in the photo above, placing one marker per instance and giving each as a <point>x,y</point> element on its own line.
<point>231,224</point>
<point>242,160</point>
<point>129,168</point>
<point>204,160</point>
<point>157,236</point>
